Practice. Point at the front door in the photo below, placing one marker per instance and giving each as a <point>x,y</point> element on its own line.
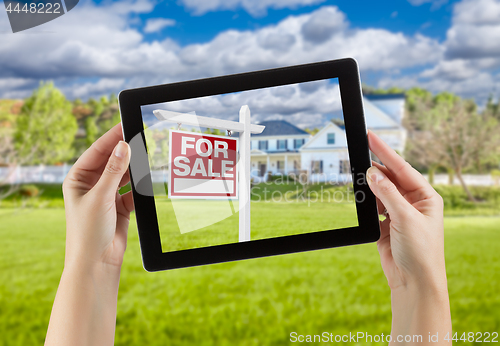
<point>262,169</point>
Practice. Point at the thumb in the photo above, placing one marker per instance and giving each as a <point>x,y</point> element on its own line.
<point>382,187</point>
<point>115,169</point>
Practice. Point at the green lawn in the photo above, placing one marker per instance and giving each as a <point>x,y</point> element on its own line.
<point>179,220</point>
<point>253,302</point>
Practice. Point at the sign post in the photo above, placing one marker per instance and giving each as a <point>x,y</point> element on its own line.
<point>212,176</point>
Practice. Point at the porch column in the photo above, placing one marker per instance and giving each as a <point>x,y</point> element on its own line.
<point>286,164</point>
<point>268,167</point>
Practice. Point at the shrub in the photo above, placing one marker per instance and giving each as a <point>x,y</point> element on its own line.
<point>29,190</point>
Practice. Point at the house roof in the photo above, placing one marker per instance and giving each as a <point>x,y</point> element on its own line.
<point>329,125</point>
<point>376,118</point>
<point>376,97</point>
<point>279,128</point>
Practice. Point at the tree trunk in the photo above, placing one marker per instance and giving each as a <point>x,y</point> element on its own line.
<point>464,186</point>
<point>432,171</point>
<point>451,176</point>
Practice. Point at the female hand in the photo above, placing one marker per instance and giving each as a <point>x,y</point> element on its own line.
<point>97,219</point>
<point>411,244</point>
<point>97,216</point>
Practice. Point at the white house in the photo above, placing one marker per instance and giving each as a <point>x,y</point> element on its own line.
<point>276,149</point>
<point>284,148</point>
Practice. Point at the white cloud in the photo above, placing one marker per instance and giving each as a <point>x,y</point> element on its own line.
<point>471,56</point>
<point>475,30</point>
<point>306,104</point>
<point>157,24</point>
<point>323,24</point>
<point>471,52</point>
<point>254,7</point>
<point>453,70</point>
<point>99,88</point>
<point>105,46</point>
<point>96,42</point>
<point>480,12</point>
<point>435,3</point>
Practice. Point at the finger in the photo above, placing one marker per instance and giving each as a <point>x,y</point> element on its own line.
<point>384,243</point>
<point>384,230</point>
<point>390,176</point>
<point>128,202</point>
<point>380,207</point>
<point>124,206</point>
<point>386,191</point>
<point>113,172</point>
<point>125,179</point>
<point>412,197</point>
<point>405,175</point>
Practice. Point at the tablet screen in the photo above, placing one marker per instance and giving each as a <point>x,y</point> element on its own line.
<point>300,175</point>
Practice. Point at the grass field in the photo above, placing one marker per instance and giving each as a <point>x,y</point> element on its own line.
<point>253,302</point>
<point>179,221</point>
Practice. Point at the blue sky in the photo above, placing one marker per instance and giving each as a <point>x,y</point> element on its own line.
<point>396,16</point>
<point>103,47</point>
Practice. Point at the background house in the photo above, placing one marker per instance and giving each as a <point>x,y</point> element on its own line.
<point>284,148</point>
<point>276,149</point>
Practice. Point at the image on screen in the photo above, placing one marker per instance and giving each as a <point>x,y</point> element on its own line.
<point>299,176</point>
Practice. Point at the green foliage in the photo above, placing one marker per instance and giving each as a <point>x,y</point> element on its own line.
<point>113,100</point>
<point>47,196</point>
<point>214,132</point>
<point>29,190</point>
<point>253,302</point>
<point>91,130</point>
<point>456,200</point>
<point>46,127</point>
<point>493,108</point>
<point>447,131</point>
<point>312,131</point>
<point>97,107</point>
<point>367,90</point>
<point>107,124</point>
<point>495,175</point>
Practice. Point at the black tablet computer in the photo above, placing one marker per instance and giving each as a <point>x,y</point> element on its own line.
<point>249,165</point>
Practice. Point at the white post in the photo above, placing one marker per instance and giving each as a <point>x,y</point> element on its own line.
<point>268,167</point>
<point>244,168</point>
<point>286,164</point>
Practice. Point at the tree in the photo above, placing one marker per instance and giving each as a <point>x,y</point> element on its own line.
<point>91,130</point>
<point>312,131</point>
<point>448,131</point>
<point>46,126</point>
<point>493,108</point>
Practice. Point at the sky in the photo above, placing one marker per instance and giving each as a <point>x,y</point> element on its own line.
<point>102,47</point>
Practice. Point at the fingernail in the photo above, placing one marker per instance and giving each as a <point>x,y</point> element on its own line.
<point>374,175</point>
<point>121,149</point>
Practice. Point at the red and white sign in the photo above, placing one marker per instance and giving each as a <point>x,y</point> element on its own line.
<point>202,166</point>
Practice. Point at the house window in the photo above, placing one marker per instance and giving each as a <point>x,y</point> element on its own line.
<point>281,144</point>
<point>262,145</point>
<point>344,166</point>
<point>297,143</point>
<point>317,167</point>
<point>331,138</point>
<point>281,166</point>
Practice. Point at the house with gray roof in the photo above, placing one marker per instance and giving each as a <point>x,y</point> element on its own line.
<point>283,148</point>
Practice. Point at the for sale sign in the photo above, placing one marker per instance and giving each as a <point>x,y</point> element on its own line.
<point>202,166</point>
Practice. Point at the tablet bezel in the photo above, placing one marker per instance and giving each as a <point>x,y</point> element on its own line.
<point>346,70</point>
